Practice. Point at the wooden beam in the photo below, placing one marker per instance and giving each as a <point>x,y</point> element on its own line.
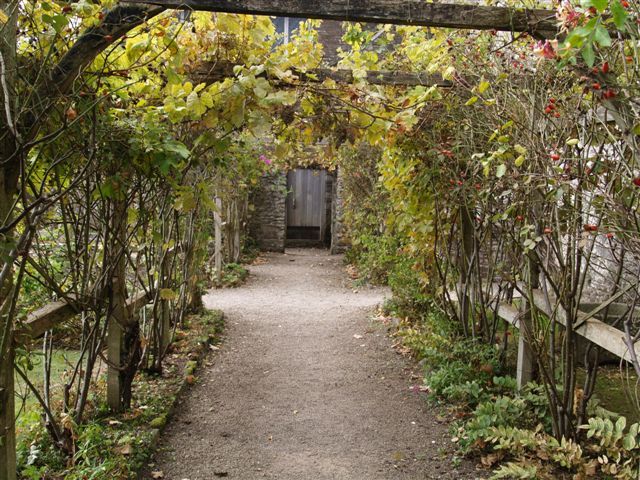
<point>401,12</point>
<point>210,72</point>
<point>54,313</point>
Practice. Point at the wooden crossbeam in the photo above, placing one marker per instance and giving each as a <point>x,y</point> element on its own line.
<point>217,71</point>
<point>541,23</point>
<point>55,313</point>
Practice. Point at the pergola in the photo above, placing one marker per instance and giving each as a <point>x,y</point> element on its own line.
<point>128,14</point>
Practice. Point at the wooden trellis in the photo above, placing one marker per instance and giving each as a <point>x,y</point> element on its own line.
<point>538,22</point>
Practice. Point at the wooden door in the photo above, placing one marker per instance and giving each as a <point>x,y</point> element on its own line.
<point>306,200</point>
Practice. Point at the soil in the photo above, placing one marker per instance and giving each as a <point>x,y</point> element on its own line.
<point>305,386</point>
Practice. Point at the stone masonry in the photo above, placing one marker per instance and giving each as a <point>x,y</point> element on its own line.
<point>338,235</point>
<point>267,224</point>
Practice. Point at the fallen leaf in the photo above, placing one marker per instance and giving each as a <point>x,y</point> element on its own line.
<point>124,449</point>
<point>157,474</point>
<point>357,336</point>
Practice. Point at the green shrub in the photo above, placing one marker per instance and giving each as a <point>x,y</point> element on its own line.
<point>375,256</point>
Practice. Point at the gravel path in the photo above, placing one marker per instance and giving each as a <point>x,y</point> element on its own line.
<point>305,386</point>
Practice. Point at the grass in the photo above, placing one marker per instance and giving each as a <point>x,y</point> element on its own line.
<point>62,365</point>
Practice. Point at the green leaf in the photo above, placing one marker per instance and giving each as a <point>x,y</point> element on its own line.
<point>519,161</point>
<point>599,5</point>
<point>629,442</point>
<point>619,14</point>
<point>588,55</point>
<point>501,170</point>
<point>601,36</point>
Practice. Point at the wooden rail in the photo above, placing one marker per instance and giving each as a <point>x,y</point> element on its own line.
<point>589,326</point>
<point>37,323</point>
<point>44,319</point>
<point>539,22</point>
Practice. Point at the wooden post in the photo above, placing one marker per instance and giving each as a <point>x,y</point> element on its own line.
<point>467,246</point>
<point>10,159</point>
<point>526,366</point>
<point>118,318</point>
<point>217,220</point>
<point>114,354</point>
<point>165,317</point>
<point>236,231</point>
<point>7,416</point>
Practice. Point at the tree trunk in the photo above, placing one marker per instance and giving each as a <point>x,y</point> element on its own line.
<point>9,168</point>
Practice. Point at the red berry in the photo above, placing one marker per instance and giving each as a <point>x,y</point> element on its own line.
<point>547,230</point>
<point>552,100</point>
<point>624,3</point>
<point>67,9</point>
<point>608,93</point>
<point>555,156</point>
<point>557,114</point>
<point>519,218</point>
<point>548,110</point>
<point>590,228</point>
<point>595,70</point>
<point>605,67</point>
<point>596,86</point>
<point>609,235</point>
<point>108,38</point>
<point>636,181</point>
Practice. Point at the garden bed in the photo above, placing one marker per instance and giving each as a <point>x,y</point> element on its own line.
<point>110,445</point>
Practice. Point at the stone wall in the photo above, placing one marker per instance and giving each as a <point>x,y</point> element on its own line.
<point>339,241</point>
<point>267,224</point>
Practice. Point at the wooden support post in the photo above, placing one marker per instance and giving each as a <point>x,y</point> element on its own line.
<point>217,220</point>
<point>114,354</point>
<point>236,231</point>
<point>466,257</point>
<point>7,416</point>
<point>119,314</point>
<point>526,363</point>
<point>10,167</point>
<point>165,306</point>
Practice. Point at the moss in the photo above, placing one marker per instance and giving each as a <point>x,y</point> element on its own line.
<point>159,421</point>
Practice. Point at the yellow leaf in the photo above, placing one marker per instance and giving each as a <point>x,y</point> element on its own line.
<point>482,86</point>
<point>167,294</point>
<point>3,17</point>
<point>520,149</point>
<point>471,101</point>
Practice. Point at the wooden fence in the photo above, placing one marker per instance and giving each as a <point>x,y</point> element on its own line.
<point>43,320</point>
<point>589,326</point>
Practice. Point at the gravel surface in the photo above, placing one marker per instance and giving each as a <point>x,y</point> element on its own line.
<point>305,386</point>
